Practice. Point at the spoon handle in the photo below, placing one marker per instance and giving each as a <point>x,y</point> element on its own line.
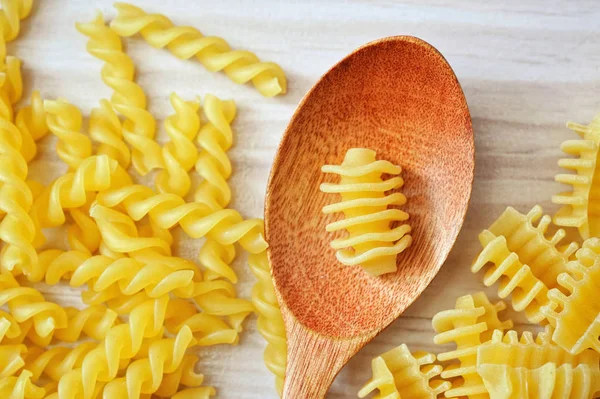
<point>314,360</point>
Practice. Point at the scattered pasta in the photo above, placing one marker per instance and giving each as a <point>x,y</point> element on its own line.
<point>365,205</point>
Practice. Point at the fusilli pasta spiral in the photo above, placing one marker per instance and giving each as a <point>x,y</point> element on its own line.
<point>31,121</point>
<point>20,387</point>
<point>144,376</point>
<point>122,342</point>
<point>270,321</point>
<point>11,360</point>
<point>65,121</point>
<point>128,97</point>
<point>183,376</point>
<point>180,153</point>
<point>365,206</point>
<point>213,52</point>
<point>27,303</point>
<point>56,361</point>
<point>106,129</point>
<point>213,165</point>
<point>196,219</point>
<point>13,11</point>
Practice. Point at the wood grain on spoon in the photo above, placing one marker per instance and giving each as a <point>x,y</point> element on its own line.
<point>399,97</point>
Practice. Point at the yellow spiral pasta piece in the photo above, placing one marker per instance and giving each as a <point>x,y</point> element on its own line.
<point>573,315</point>
<point>215,139</point>
<point>144,376</point>
<point>95,174</point>
<point>180,153</point>
<point>93,321</point>
<point>65,121</point>
<point>106,129</point>
<point>9,327</point>
<point>207,329</point>
<point>13,11</point>
<point>20,387</point>
<point>57,361</point>
<point>526,351</point>
<point>523,260</point>
<point>270,322</point>
<point>196,219</point>
<point>128,97</point>
<point>367,217</point>
<point>123,341</point>
<point>185,375</point>
<point>213,52</point>
<point>27,303</point>
<point>83,234</point>
<point>11,360</point>
<point>400,374</point>
<point>17,228</point>
<point>31,122</point>
<point>216,259</point>
<point>581,205</point>
<point>468,325</point>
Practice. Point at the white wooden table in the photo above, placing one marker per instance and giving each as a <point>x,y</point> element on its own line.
<point>526,68</point>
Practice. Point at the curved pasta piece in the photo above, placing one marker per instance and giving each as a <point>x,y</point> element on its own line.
<point>11,359</point>
<point>399,373</point>
<point>213,165</point>
<point>207,329</point>
<point>27,303</point>
<point>270,322</point>
<point>56,361</point>
<point>197,219</point>
<point>31,122</point>
<point>216,259</point>
<point>64,121</point>
<point>546,382</point>
<point>580,206</point>
<point>467,325</point>
<point>107,130</point>
<point>144,376</point>
<point>574,316</point>
<point>184,375</point>
<point>20,387</point>
<point>195,393</point>
<point>180,153</point>
<point>367,216</point>
<point>83,234</point>
<point>213,52</point>
<point>9,328</point>
<point>523,260</point>
<point>122,342</point>
<point>128,97</point>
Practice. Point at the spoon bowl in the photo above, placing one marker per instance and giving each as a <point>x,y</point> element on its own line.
<point>399,97</point>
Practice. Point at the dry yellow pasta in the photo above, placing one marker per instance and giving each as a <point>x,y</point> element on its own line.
<point>215,139</point>
<point>180,153</point>
<point>545,382</point>
<point>106,129</point>
<point>573,313</point>
<point>213,52</point>
<point>468,325</point>
<point>368,217</point>
<point>128,98</point>
<point>523,260</point>
<point>580,205</point>
<point>20,387</point>
<point>401,374</point>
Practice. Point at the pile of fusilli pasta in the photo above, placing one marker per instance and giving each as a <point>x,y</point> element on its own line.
<point>145,306</point>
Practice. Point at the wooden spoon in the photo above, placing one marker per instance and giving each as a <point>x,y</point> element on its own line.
<point>399,97</point>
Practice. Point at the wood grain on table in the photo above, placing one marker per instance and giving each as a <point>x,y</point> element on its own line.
<point>526,68</point>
